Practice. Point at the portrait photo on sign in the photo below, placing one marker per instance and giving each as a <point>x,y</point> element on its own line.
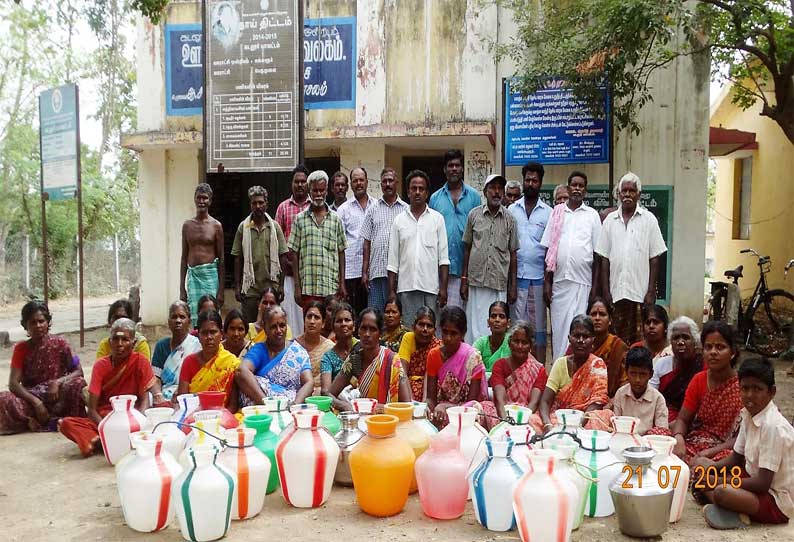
<point>226,24</point>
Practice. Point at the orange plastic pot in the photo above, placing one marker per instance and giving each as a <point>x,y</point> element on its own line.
<point>382,467</point>
<point>409,431</point>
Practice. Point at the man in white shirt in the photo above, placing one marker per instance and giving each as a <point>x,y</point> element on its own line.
<point>570,237</point>
<point>630,246</point>
<point>418,264</point>
<point>351,213</point>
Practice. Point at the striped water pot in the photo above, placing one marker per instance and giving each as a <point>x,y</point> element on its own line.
<point>115,428</point>
<point>491,485</point>
<point>594,454</point>
<point>203,496</point>
<point>144,483</point>
<point>306,459</point>
<point>250,468</point>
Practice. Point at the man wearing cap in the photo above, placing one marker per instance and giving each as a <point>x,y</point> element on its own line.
<point>490,242</point>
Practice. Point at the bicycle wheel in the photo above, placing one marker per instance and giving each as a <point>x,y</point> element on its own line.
<point>772,323</point>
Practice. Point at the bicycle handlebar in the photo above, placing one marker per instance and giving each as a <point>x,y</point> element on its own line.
<point>789,265</point>
<point>749,251</point>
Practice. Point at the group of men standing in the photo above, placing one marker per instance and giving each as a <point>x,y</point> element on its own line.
<point>435,250</point>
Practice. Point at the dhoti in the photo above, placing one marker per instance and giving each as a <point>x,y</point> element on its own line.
<point>480,300</point>
<point>200,280</point>
<point>568,299</point>
<point>453,292</point>
<point>294,312</point>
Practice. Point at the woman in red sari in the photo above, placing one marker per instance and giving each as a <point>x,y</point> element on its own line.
<point>577,381</point>
<point>123,372</point>
<point>708,421</point>
<point>519,379</point>
<point>46,381</point>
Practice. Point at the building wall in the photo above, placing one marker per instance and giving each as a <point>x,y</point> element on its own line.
<point>426,81</point>
<point>671,149</point>
<point>772,199</point>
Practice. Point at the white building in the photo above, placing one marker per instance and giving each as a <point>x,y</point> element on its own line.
<point>425,81</point>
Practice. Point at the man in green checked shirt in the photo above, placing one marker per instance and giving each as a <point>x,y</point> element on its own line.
<point>318,246</point>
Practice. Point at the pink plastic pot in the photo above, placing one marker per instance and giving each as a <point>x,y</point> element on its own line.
<point>441,477</point>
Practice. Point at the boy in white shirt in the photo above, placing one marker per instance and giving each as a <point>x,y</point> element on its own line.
<point>760,479</point>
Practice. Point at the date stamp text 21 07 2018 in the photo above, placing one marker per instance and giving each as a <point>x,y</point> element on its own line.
<point>704,478</point>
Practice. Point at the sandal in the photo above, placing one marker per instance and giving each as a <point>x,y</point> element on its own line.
<point>722,518</point>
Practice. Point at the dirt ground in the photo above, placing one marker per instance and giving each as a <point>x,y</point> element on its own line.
<point>48,492</point>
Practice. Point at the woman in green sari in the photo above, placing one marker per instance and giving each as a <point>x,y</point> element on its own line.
<point>494,346</point>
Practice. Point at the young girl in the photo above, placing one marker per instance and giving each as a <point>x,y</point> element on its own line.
<point>234,333</point>
<point>415,347</point>
<point>495,346</point>
<point>455,372</point>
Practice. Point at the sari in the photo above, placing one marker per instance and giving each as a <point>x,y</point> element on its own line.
<point>316,357</point>
<point>50,360</point>
<point>415,362</point>
<point>167,363</point>
<point>666,351</point>
<point>455,378</point>
<point>483,346</point>
<point>141,346</point>
<point>392,339</point>
<point>613,351</point>
<point>717,417</point>
<point>259,336</point>
<point>133,376</point>
<point>586,387</point>
<point>332,363</point>
<point>380,379</point>
<point>279,375</point>
<point>672,381</point>
<point>519,384</point>
<point>217,374</point>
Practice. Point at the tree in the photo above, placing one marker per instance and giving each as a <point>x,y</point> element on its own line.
<point>624,42</point>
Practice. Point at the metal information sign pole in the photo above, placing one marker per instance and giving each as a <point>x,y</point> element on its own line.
<point>59,143</point>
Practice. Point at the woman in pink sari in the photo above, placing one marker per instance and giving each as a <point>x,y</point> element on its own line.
<point>455,372</point>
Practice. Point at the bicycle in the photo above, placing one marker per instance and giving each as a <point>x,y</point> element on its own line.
<point>766,325</point>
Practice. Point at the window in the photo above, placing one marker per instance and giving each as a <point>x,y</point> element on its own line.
<point>743,184</point>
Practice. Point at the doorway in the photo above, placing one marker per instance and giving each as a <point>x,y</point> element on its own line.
<point>432,165</point>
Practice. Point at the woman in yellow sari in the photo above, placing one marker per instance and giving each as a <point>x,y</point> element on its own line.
<point>256,330</point>
<point>212,368</point>
<point>377,369</point>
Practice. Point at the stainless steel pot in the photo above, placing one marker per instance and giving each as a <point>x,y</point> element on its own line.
<point>346,438</point>
<point>641,504</point>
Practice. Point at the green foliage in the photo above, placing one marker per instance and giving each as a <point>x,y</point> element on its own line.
<point>40,54</point>
<point>150,8</point>
<point>624,42</point>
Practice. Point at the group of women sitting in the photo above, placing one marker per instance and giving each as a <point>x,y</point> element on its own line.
<point>383,360</point>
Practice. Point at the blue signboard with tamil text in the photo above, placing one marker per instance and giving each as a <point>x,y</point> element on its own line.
<point>552,127</point>
<point>184,75</point>
<point>59,139</point>
<point>329,63</point>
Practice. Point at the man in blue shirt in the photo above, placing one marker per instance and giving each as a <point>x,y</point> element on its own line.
<point>531,216</point>
<point>454,201</point>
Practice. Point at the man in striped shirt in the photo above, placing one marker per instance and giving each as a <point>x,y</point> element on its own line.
<point>375,233</point>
